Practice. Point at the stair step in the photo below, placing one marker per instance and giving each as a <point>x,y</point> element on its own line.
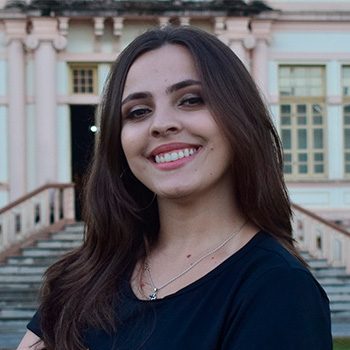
<point>330,271</point>
<point>339,289</point>
<point>26,260</point>
<point>42,252</point>
<point>11,286</point>
<point>316,264</point>
<point>68,236</point>
<point>17,278</point>
<point>334,281</point>
<point>78,227</point>
<point>340,297</point>
<point>20,314</point>
<point>58,244</point>
<point>22,269</point>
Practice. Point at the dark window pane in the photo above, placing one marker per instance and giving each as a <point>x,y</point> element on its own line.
<point>318,138</point>
<point>302,139</point>
<point>302,120</point>
<point>318,168</point>
<point>301,109</point>
<point>318,157</point>
<point>302,157</point>
<point>285,109</point>
<point>287,169</point>
<point>302,169</point>
<point>317,120</point>
<point>347,138</point>
<point>286,139</point>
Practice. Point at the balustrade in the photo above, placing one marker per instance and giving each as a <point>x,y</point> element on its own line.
<point>321,238</point>
<point>36,211</point>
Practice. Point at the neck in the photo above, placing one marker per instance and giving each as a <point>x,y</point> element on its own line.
<point>189,222</point>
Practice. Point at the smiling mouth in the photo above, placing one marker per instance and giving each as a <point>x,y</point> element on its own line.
<point>172,156</point>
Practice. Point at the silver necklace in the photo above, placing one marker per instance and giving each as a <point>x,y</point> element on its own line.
<point>154,294</point>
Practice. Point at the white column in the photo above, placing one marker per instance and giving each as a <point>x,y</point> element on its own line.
<point>260,66</point>
<point>238,48</point>
<point>16,119</point>
<point>335,151</point>
<point>45,103</point>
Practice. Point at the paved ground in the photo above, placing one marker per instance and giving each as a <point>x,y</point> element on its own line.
<point>341,329</point>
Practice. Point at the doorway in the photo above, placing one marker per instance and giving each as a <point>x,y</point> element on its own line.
<point>82,146</point>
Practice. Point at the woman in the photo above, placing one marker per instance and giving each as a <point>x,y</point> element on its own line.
<point>188,235</point>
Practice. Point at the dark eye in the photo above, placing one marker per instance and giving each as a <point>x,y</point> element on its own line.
<point>188,101</point>
<point>138,113</point>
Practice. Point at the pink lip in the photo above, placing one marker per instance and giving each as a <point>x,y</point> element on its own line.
<point>175,146</point>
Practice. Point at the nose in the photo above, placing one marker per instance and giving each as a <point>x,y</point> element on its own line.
<point>164,123</point>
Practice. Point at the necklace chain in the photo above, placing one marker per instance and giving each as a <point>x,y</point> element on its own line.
<point>154,294</point>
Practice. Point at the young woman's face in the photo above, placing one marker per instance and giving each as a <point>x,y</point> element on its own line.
<point>170,139</point>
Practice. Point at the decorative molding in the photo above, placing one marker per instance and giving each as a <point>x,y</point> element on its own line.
<point>15,29</point>
<point>118,24</point>
<point>63,25</point>
<point>309,57</point>
<point>334,100</point>
<point>185,20</point>
<point>59,42</point>
<point>302,26</point>
<point>237,28</point>
<point>163,21</point>
<point>219,25</point>
<point>101,57</point>
<point>99,25</point>
<point>249,42</point>
<point>31,42</point>
<point>80,99</point>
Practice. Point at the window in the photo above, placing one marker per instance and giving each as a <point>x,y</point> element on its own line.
<point>84,79</point>
<point>346,116</point>
<point>303,121</point>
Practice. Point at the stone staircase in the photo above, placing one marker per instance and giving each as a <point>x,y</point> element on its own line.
<point>336,283</point>
<point>20,278</point>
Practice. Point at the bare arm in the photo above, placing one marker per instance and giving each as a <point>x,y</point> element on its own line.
<point>31,341</point>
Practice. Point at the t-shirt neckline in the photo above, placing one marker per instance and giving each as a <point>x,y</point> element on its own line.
<point>211,274</point>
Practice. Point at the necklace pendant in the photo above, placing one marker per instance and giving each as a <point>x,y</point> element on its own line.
<point>153,296</point>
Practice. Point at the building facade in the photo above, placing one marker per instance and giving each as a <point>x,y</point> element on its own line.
<point>55,57</point>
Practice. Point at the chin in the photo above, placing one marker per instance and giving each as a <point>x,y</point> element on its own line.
<point>174,193</point>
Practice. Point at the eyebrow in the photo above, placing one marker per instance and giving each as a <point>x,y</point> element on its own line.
<point>172,88</point>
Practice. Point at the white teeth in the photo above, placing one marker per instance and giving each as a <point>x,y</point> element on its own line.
<point>172,156</point>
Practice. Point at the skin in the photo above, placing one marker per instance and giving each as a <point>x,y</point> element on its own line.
<point>195,197</point>
<point>28,340</point>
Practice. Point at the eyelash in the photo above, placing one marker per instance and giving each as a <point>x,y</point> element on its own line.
<point>186,101</point>
<point>138,113</point>
<point>190,101</point>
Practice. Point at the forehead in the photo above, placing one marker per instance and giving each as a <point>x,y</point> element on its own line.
<point>160,68</point>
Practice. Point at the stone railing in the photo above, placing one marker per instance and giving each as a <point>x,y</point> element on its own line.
<point>52,204</point>
<point>321,238</point>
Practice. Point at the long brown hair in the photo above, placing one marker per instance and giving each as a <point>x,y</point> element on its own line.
<point>81,290</point>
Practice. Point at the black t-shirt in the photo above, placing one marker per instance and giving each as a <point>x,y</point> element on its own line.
<point>260,298</point>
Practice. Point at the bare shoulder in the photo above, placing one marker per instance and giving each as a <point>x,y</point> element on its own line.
<point>31,341</point>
